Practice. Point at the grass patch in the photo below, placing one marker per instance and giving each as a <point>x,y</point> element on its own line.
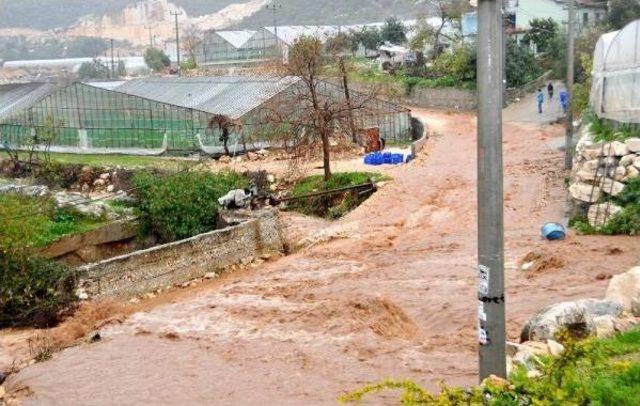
<point>125,161</point>
<point>604,132</point>
<point>35,222</point>
<point>331,206</point>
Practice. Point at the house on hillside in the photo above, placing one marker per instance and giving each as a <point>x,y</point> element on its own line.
<point>587,12</point>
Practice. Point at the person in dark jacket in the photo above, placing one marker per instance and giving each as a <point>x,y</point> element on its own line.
<point>550,91</point>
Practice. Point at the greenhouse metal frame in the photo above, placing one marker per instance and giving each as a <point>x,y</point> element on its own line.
<point>155,116</point>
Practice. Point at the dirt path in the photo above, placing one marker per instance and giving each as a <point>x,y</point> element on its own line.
<point>391,296</point>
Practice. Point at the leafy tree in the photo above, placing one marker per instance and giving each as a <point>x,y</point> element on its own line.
<point>521,65</point>
<point>121,69</point>
<point>622,12</point>
<point>461,65</point>
<point>156,59</point>
<point>93,70</point>
<point>394,31</point>
<point>369,37</point>
<point>542,33</point>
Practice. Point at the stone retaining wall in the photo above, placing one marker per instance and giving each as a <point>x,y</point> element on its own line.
<point>182,261</point>
<point>601,169</point>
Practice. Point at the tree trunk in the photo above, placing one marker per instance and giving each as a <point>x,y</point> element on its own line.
<point>347,96</point>
<point>326,153</point>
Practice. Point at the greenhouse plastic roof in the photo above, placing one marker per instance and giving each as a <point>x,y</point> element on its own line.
<point>18,96</point>
<point>236,38</point>
<point>615,94</point>
<point>232,96</point>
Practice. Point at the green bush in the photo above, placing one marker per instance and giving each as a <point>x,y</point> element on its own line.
<point>184,204</point>
<point>592,372</point>
<point>33,291</point>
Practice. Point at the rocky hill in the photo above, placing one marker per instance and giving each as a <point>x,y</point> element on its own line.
<point>50,14</point>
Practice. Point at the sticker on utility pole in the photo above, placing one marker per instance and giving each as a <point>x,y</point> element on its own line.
<point>483,336</point>
<point>483,280</point>
<point>482,316</point>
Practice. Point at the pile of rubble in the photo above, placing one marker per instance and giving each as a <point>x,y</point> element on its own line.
<point>601,318</point>
<point>250,156</point>
<point>602,169</point>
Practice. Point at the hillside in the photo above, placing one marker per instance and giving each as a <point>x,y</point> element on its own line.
<point>49,14</point>
<point>333,12</point>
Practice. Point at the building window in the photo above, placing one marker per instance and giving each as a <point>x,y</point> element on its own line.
<point>585,18</point>
<point>598,17</point>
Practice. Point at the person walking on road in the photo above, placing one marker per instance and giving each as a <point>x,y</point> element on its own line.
<point>550,91</point>
<point>540,99</point>
<point>564,100</point>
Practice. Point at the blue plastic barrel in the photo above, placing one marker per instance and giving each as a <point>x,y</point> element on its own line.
<point>554,231</point>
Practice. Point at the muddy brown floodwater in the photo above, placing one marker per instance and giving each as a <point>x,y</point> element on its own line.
<point>391,296</point>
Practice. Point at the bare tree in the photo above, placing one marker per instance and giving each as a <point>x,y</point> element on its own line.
<point>316,109</point>
<point>192,38</point>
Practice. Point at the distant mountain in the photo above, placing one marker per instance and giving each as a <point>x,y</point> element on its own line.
<point>335,12</point>
<point>49,14</point>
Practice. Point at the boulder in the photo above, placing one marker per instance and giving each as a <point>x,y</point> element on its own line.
<point>618,173</point>
<point>616,148</point>
<point>577,317</point>
<point>555,348</point>
<point>31,191</point>
<point>633,144</point>
<point>585,192</point>
<point>632,173</point>
<point>591,153</point>
<point>636,163</point>
<point>70,199</point>
<point>611,187</point>
<point>225,159</point>
<point>625,289</point>
<point>105,176</point>
<point>627,160</point>
<point>605,326</point>
<point>599,214</point>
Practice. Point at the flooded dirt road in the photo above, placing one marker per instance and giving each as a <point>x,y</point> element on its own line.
<point>391,296</point>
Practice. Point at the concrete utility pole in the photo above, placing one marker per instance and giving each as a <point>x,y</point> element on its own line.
<point>149,28</point>
<point>491,300</point>
<point>274,7</point>
<point>176,14</point>
<point>568,155</point>
<point>113,67</point>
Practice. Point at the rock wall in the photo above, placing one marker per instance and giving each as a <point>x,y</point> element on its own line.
<point>601,169</point>
<point>182,261</point>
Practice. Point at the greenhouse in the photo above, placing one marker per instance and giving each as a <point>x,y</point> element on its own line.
<point>154,116</point>
<point>615,92</point>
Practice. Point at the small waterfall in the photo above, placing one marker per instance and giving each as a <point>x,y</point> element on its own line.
<point>84,139</point>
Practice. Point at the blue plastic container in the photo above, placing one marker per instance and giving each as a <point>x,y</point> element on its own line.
<point>554,231</point>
